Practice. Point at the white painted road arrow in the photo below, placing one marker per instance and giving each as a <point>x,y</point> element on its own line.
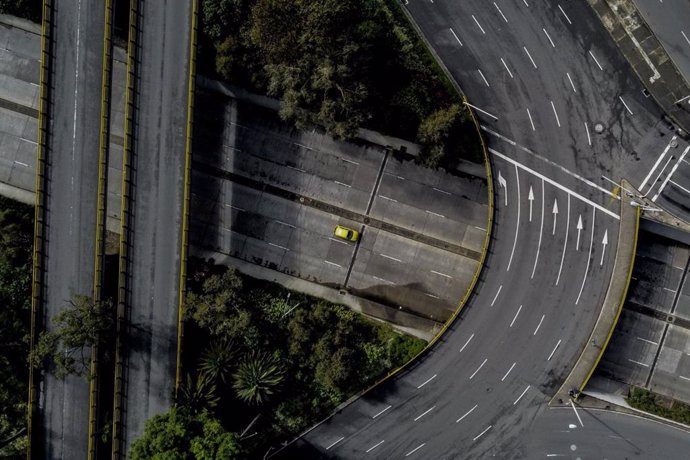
<point>530,197</point>
<point>579,230</point>
<point>555,215</point>
<point>604,242</point>
<point>502,183</point>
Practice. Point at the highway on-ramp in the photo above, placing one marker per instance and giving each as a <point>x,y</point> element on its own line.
<point>156,211</point>
<point>71,183</point>
<point>564,115</point>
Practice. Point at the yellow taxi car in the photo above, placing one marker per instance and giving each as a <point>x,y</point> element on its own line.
<point>346,233</point>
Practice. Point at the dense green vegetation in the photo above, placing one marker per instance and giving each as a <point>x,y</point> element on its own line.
<point>267,362</point>
<point>645,400</point>
<point>81,325</point>
<point>341,64</point>
<point>16,230</point>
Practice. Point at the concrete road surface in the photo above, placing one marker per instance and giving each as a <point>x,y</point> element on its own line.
<point>72,179</point>
<point>560,108</point>
<point>156,207</point>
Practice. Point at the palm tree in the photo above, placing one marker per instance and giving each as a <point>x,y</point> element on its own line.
<point>258,377</point>
<point>197,394</point>
<point>217,360</point>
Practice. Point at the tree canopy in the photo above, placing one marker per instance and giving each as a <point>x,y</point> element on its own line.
<point>179,434</point>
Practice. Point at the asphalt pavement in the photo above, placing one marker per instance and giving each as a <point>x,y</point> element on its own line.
<point>670,21</point>
<point>156,211</point>
<point>70,226</point>
<point>560,108</point>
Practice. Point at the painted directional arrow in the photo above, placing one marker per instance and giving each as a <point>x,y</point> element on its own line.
<point>579,230</point>
<point>530,197</point>
<point>555,215</point>
<point>502,183</point>
<point>604,242</point>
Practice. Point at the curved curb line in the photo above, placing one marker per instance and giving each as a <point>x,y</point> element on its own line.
<point>477,272</point>
<point>608,317</point>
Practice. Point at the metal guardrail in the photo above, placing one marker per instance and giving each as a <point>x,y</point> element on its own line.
<point>100,220</point>
<point>127,152</point>
<point>186,196</point>
<point>39,216</point>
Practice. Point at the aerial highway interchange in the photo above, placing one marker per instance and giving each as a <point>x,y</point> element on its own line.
<point>564,119</point>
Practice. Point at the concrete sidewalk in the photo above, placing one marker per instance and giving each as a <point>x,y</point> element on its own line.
<point>611,308</point>
<point>647,56</point>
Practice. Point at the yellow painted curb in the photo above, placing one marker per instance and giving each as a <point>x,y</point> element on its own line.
<point>39,211</point>
<point>186,197</point>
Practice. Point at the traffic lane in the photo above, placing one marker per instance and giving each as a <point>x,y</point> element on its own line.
<point>156,210</point>
<point>558,432</point>
<point>70,221</point>
<point>597,100</point>
<point>630,355</point>
<point>669,22</point>
<point>481,369</point>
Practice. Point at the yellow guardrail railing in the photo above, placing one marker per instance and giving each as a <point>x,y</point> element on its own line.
<point>100,218</point>
<point>186,197</point>
<point>118,391</point>
<point>39,216</point>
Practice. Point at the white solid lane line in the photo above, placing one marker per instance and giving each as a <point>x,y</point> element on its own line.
<point>517,224</point>
<point>480,366</point>
<point>530,120</point>
<point>496,296</point>
<point>478,25</point>
<point>554,350</point>
<point>565,243</point>
<point>456,37</point>
<point>572,85</point>
<point>429,380</point>
<point>541,230</point>
<point>466,343</point>
<point>467,413</point>
<point>384,410</point>
<point>482,433</point>
<point>336,442</point>
<point>374,446</point>
<point>515,317</point>
<point>566,16</point>
<point>529,56</point>
<point>680,187</point>
<point>415,449</point>
<point>589,257</point>
<point>483,77</point>
<point>626,105</point>
<point>668,178</point>
<point>684,378</point>
<point>596,61</point>
<point>390,257</point>
<point>424,413</point>
<point>506,374</point>
<point>556,114</point>
<point>561,187</point>
<point>521,395</point>
<point>501,13</point>
<point>506,66</point>
<point>539,325</point>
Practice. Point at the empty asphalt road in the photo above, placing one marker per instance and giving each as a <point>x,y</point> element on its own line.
<point>155,233</point>
<point>560,108</point>
<point>70,222</point>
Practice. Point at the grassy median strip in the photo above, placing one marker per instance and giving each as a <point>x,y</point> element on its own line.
<point>669,408</point>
